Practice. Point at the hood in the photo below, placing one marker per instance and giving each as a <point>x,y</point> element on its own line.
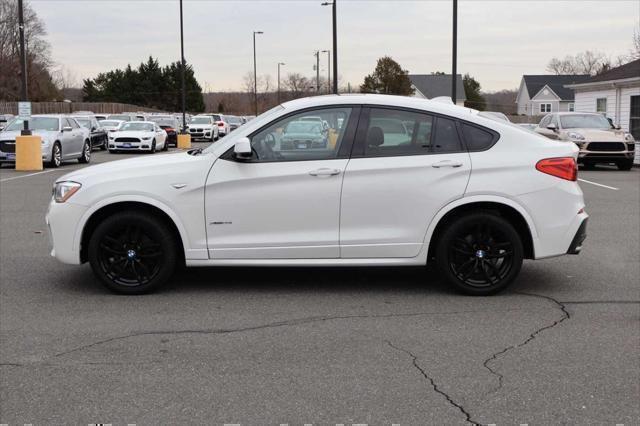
<point>133,134</point>
<point>44,134</point>
<point>201,126</point>
<point>599,135</point>
<point>302,136</point>
<point>133,168</point>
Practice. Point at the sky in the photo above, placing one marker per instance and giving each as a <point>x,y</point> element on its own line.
<point>498,41</point>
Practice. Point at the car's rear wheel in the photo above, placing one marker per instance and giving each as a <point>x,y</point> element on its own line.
<point>56,156</point>
<point>624,164</point>
<point>479,253</point>
<point>85,157</point>
<point>132,252</point>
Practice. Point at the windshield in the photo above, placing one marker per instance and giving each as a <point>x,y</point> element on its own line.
<point>303,127</point>
<point>201,120</point>
<point>585,121</point>
<point>110,123</point>
<point>233,120</point>
<point>262,118</point>
<point>36,123</point>
<point>119,117</point>
<point>146,127</point>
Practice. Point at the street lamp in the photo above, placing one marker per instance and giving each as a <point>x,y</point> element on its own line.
<point>182,78</point>
<point>255,73</point>
<point>328,52</point>
<point>454,53</point>
<point>23,64</point>
<point>335,45</point>
<point>279,63</point>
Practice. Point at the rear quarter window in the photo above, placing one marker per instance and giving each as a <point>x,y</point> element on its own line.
<point>478,139</point>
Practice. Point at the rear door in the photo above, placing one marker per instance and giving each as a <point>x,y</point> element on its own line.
<point>406,166</point>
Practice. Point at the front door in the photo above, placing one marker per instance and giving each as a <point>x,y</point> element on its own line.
<point>284,202</point>
<point>406,166</point>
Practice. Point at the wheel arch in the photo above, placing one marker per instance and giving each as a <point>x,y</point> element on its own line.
<point>93,218</point>
<point>512,212</point>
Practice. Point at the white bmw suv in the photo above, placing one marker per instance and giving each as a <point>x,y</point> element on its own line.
<point>396,181</point>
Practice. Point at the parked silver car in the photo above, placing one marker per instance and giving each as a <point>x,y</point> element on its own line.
<point>62,139</point>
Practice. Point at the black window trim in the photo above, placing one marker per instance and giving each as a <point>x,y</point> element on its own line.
<point>360,139</point>
<point>345,146</point>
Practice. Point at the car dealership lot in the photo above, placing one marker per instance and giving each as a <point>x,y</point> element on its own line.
<point>321,346</point>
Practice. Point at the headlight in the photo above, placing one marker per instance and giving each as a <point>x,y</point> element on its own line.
<point>146,138</point>
<point>575,136</point>
<point>628,137</point>
<point>111,137</point>
<point>62,191</point>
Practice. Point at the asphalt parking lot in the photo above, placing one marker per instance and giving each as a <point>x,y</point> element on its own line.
<point>322,346</point>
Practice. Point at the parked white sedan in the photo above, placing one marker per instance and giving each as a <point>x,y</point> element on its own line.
<point>370,195</point>
<point>138,136</point>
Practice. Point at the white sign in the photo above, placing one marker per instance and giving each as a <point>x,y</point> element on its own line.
<point>24,110</point>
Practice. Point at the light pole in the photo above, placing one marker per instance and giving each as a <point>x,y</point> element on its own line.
<point>279,63</point>
<point>335,45</point>
<point>255,73</point>
<point>23,64</point>
<point>328,52</point>
<point>317,55</point>
<point>454,59</point>
<point>182,78</point>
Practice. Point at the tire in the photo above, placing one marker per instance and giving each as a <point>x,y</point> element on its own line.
<point>56,156</point>
<point>480,254</point>
<point>133,252</point>
<point>165,147</point>
<point>85,157</point>
<point>103,147</point>
<point>625,165</point>
<point>153,147</point>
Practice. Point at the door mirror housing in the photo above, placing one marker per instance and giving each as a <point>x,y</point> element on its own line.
<point>67,129</point>
<point>242,148</point>
<point>552,126</point>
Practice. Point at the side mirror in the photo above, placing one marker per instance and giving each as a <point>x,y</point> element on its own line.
<point>67,129</point>
<point>242,148</point>
<point>552,126</point>
<point>93,129</point>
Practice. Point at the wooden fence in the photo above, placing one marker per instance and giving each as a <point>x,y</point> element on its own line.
<point>70,107</point>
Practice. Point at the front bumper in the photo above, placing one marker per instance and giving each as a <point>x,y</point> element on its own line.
<point>62,220</point>
<point>578,239</point>
<point>10,157</point>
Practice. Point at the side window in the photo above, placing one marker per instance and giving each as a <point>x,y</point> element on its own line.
<point>554,120</point>
<point>394,132</point>
<point>476,138</point>
<point>302,136</point>
<point>446,136</point>
<point>73,123</point>
<point>66,123</point>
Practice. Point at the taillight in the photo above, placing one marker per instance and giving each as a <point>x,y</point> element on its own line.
<point>563,167</point>
<point>220,124</point>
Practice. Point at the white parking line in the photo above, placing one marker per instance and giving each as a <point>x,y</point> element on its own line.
<point>598,184</point>
<point>24,176</point>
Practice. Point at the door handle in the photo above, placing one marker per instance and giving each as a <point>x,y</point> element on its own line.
<point>324,172</point>
<point>446,163</point>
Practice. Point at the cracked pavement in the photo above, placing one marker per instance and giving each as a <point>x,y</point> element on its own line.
<point>322,346</point>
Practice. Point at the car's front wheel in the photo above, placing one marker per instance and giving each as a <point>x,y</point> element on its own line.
<point>85,157</point>
<point>480,253</point>
<point>624,164</point>
<point>56,156</point>
<point>132,252</point>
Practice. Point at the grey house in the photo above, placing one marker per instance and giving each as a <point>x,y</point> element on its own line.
<point>541,94</point>
<point>431,86</point>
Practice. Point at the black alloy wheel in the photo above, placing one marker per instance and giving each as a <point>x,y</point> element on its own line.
<point>480,253</point>
<point>132,252</point>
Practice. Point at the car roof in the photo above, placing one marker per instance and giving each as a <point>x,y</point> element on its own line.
<point>383,100</point>
<point>577,113</point>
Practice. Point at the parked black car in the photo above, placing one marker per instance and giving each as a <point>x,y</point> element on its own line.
<point>98,134</point>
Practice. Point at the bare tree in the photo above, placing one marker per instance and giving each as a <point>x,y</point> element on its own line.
<point>587,62</point>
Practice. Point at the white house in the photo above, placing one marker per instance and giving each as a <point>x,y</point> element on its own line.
<point>433,85</point>
<point>615,93</point>
<point>541,94</point>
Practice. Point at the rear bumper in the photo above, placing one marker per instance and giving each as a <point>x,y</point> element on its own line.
<point>578,239</point>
